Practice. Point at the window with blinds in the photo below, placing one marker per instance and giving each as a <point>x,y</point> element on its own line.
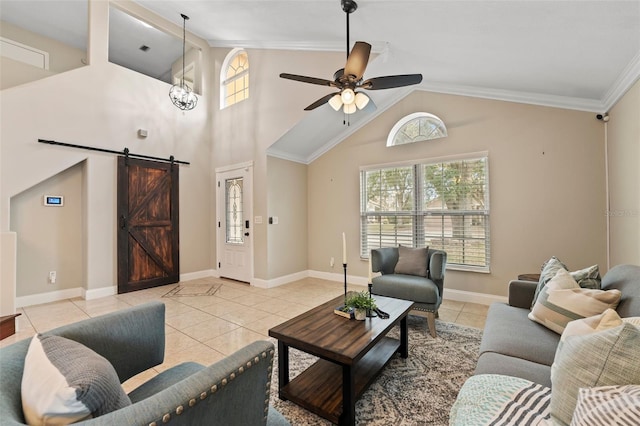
<point>443,205</point>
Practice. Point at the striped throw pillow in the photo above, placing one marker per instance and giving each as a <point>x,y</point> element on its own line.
<point>607,405</point>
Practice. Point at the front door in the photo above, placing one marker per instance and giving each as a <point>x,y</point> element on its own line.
<point>234,236</point>
<point>148,237</point>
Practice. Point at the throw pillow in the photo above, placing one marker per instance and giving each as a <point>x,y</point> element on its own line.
<point>64,382</point>
<point>547,271</point>
<point>562,300</point>
<point>607,405</point>
<point>604,358</point>
<point>606,320</point>
<point>412,261</point>
<point>586,278</point>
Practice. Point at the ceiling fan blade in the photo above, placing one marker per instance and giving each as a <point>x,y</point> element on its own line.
<point>323,100</point>
<point>358,60</point>
<point>305,79</point>
<point>391,81</point>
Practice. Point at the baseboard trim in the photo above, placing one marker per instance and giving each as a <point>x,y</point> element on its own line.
<point>275,282</point>
<point>52,296</point>
<point>97,293</point>
<point>472,297</point>
<point>332,276</point>
<point>199,274</point>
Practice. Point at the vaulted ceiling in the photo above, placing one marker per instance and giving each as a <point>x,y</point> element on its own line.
<point>572,54</point>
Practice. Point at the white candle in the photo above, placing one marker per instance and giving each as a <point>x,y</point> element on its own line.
<point>370,269</point>
<point>344,249</point>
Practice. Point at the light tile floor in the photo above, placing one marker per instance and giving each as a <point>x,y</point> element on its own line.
<point>207,328</point>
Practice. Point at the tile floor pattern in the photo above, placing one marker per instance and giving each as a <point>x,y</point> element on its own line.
<point>205,329</point>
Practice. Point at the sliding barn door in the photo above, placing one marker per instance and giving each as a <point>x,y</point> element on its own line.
<point>148,237</point>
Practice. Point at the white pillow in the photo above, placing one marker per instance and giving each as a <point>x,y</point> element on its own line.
<point>604,321</point>
<point>65,382</point>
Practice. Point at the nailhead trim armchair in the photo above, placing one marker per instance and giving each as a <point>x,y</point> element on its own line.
<point>233,391</point>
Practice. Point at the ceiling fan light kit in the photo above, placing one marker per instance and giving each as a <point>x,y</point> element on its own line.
<point>181,95</point>
<point>350,78</point>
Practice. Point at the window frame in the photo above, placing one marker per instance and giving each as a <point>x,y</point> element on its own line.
<point>418,213</point>
<point>417,116</point>
<point>224,81</point>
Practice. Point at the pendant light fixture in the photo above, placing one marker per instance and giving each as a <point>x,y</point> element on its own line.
<point>181,95</point>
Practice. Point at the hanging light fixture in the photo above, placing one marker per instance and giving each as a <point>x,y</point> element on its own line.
<point>349,101</point>
<point>181,95</point>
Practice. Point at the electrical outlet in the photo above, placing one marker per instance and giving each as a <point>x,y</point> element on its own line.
<point>332,262</point>
<point>52,277</point>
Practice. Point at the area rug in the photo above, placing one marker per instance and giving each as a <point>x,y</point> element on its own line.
<point>415,391</point>
<point>190,290</point>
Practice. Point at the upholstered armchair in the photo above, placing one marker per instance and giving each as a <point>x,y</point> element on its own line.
<point>233,391</point>
<point>418,277</point>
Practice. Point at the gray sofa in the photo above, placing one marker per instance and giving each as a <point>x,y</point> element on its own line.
<point>514,345</point>
<point>426,292</point>
<point>233,391</point>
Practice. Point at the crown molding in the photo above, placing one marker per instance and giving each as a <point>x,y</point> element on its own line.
<point>283,155</point>
<point>627,78</point>
<point>554,101</point>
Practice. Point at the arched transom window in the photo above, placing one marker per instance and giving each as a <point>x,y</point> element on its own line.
<point>416,127</point>
<point>234,78</point>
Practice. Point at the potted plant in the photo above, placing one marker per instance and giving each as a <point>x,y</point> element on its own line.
<point>361,303</point>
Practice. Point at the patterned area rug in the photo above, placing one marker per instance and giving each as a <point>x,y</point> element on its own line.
<point>415,391</point>
<point>189,290</point>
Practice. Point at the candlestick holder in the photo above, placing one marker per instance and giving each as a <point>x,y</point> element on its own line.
<point>344,265</point>
<point>370,312</point>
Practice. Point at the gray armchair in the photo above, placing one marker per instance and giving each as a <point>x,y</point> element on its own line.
<point>426,292</point>
<point>233,391</point>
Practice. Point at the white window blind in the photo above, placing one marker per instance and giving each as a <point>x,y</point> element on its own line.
<point>442,204</point>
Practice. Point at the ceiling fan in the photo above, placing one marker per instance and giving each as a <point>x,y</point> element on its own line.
<point>350,78</point>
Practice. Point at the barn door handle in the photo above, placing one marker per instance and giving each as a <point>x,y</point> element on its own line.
<point>123,222</point>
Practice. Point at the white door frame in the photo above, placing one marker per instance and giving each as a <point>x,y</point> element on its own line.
<point>247,170</point>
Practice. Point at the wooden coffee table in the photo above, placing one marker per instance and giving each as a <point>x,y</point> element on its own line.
<point>351,353</point>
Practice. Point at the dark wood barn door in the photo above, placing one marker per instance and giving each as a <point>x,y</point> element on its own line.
<point>148,237</point>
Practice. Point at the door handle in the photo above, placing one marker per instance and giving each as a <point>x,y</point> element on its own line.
<point>246,224</point>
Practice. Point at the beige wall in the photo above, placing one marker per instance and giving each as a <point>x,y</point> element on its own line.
<point>104,105</point>
<point>50,238</point>
<point>244,131</point>
<point>547,190</point>
<point>61,57</point>
<point>623,139</point>
<point>287,200</point>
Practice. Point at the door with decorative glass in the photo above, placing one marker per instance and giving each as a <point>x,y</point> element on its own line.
<point>234,228</point>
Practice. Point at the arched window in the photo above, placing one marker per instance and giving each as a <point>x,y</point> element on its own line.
<point>416,127</point>
<point>234,78</point>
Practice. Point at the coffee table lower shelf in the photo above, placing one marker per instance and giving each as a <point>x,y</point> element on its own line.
<point>319,388</point>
